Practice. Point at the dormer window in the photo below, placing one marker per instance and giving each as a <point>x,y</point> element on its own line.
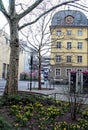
<point>59,32</point>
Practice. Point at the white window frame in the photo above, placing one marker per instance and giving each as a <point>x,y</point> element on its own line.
<point>68,72</point>
<point>58,44</point>
<point>69,45</point>
<point>59,71</point>
<point>58,58</point>
<point>80,32</point>
<point>59,32</point>
<point>69,57</point>
<point>79,70</point>
<point>79,59</point>
<point>69,32</point>
<point>79,45</point>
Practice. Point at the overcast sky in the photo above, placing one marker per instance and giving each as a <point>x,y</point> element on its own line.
<point>29,2</point>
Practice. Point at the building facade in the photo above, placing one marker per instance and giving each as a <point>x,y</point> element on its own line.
<point>5,56</point>
<point>69,43</point>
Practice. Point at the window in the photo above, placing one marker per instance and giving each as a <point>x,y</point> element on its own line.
<point>59,32</point>
<point>69,32</point>
<point>58,20</point>
<point>7,41</point>
<point>4,70</point>
<point>79,59</point>
<point>69,45</point>
<point>58,44</point>
<point>58,72</point>
<point>67,72</point>
<point>79,46</point>
<point>58,58</point>
<point>7,69</point>
<point>68,58</point>
<point>80,32</point>
<point>79,71</point>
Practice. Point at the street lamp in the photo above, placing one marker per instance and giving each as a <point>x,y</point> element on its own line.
<point>31,62</point>
<point>31,67</point>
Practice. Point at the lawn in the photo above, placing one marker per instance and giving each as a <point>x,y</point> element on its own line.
<point>40,113</point>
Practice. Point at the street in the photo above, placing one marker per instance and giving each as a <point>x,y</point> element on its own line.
<point>25,86</point>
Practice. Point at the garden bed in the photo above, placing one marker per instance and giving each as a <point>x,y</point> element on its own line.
<point>39,113</point>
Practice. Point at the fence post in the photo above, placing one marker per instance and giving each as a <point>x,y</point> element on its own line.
<point>28,86</point>
<point>55,96</point>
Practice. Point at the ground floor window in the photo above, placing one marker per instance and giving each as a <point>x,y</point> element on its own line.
<point>58,72</point>
<point>5,70</point>
<point>79,59</point>
<point>67,72</point>
<point>79,71</point>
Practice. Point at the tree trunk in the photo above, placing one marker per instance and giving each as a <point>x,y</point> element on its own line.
<point>11,87</point>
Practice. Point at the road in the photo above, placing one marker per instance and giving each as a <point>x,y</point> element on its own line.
<point>25,85</point>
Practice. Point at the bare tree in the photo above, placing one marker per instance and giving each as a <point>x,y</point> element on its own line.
<point>14,19</point>
<point>38,38</point>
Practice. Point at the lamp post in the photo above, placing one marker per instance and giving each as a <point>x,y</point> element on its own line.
<point>31,66</point>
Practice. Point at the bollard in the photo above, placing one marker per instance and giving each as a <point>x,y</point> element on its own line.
<point>30,85</point>
<point>55,96</point>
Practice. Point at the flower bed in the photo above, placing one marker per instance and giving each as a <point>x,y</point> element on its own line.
<point>32,112</point>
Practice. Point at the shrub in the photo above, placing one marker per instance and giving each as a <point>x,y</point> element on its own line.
<point>4,125</point>
<point>26,76</point>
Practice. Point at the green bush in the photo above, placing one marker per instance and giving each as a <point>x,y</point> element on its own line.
<point>4,125</point>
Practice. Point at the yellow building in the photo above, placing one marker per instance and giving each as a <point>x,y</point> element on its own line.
<point>5,55</point>
<point>69,43</point>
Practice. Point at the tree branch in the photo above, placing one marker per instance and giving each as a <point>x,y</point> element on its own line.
<point>64,3</point>
<point>33,6</point>
<point>3,10</point>
<point>80,7</point>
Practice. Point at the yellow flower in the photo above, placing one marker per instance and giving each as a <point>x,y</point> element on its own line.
<point>64,128</point>
<point>78,126</point>
<point>25,119</point>
<point>16,124</point>
<point>65,122</point>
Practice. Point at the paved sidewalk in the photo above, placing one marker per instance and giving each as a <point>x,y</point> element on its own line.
<point>25,86</point>
<point>61,93</point>
<point>58,93</point>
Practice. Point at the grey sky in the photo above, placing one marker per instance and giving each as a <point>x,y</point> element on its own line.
<point>29,2</point>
